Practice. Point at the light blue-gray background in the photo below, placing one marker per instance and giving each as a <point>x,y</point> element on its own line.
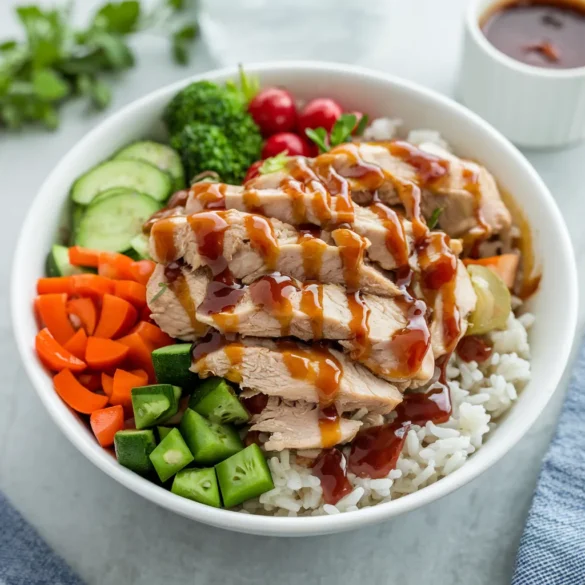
<point>113,537</point>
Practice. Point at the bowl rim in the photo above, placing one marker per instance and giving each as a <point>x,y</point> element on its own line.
<point>272,525</point>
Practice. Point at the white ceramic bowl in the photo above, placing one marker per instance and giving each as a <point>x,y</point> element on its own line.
<point>555,305</point>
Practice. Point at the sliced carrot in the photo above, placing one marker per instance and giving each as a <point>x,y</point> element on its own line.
<point>54,355</point>
<point>52,310</point>
<point>57,284</point>
<point>75,395</point>
<point>107,384</point>
<point>153,335</point>
<point>91,380</point>
<point>86,311</point>
<point>116,318</point>
<point>122,389</point>
<point>115,266</point>
<point>105,423</point>
<point>139,355</point>
<point>77,344</point>
<point>103,354</point>
<point>142,374</point>
<point>92,285</point>
<point>505,266</point>
<point>131,291</point>
<point>79,256</point>
<point>142,270</point>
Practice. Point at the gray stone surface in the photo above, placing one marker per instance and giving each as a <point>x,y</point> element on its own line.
<point>112,537</point>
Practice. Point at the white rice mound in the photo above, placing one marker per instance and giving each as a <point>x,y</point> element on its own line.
<point>480,394</point>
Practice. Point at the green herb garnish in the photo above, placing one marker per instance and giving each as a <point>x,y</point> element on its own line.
<point>163,287</point>
<point>340,133</point>
<point>56,62</point>
<point>362,125</point>
<point>319,137</point>
<point>434,219</point>
<point>274,163</point>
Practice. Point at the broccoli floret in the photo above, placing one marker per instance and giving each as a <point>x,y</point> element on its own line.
<point>221,135</point>
<point>203,102</point>
<point>204,147</point>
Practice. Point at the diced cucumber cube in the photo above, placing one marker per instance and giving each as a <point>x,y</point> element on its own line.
<point>171,365</point>
<point>199,485</point>
<point>243,476</point>
<point>171,455</point>
<point>133,448</point>
<point>163,432</point>
<point>154,404</point>
<point>209,442</point>
<point>216,400</point>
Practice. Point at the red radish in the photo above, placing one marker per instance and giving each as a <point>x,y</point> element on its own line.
<point>273,109</point>
<point>319,113</point>
<point>253,171</point>
<point>286,141</point>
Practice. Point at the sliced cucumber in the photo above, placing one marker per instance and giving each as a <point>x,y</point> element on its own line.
<point>58,262</point>
<point>159,155</point>
<point>139,245</point>
<point>111,223</point>
<point>199,485</point>
<point>132,174</point>
<point>77,212</point>
<point>108,193</point>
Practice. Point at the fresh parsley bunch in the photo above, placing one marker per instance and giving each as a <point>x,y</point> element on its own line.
<point>56,62</point>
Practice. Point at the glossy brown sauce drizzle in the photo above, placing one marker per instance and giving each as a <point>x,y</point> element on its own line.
<point>178,199</point>
<point>352,248</point>
<point>209,195</point>
<point>396,241</point>
<point>312,305</point>
<point>163,238</point>
<point>272,293</point>
<point>331,468</point>
<point>359,325</point>
<point>262,239</point>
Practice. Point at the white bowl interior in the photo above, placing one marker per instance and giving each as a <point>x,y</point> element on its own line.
<point>378,95</point>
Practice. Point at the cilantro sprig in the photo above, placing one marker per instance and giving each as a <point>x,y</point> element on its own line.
<point>344,127</point>
<point>434,219</point>
<point>56,62</point>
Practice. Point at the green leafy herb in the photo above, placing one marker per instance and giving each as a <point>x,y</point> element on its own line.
<point>163,287</point>
<point>248,87</point>
<point>319,137</point>
<point>434,219</point>
<point>274,163</point>
<point>362,125</point>
<point>56,62</point>
<point>342,129</point>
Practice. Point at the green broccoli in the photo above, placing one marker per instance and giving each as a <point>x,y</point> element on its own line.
<point>212,130</point>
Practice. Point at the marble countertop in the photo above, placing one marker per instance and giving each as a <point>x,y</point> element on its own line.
<point>112,537</point>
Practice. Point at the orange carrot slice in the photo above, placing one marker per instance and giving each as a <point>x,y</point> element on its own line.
<point>505,266</point>
<point>75,395</point>
<point>142,374</point>
<point>103,354</point>
<point>153,335</point>
<point>122,389</point>
<point>91,380</point>
<point>86,311</point>
<point>115,266</point>
<point>141,270</point>
<point>105,423</point>
<point>139,355</point>
<point>52,310</point>
<point>131,291</point>
<point>77,344</point>
<point>57,284</point>
<point>79,256</point>
<point>91,285</point>
<point>54,355</point>
<point>107,384</point>
<point>116,318</point>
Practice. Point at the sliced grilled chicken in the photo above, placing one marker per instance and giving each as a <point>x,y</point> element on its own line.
<point>251,245</point>
<point>295,425</point>
<point>298,372</point>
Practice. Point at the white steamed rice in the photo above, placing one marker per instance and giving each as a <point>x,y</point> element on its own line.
<point>480,394</point>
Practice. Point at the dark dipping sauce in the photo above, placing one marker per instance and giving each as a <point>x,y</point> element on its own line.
<point>542,34</point>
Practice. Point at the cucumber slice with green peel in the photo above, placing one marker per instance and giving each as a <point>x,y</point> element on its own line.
<point>154,404</point>
<point>216,400</point>
<point>199,485</point>
<point>159,155</point>
<point>109,193</point>
<point>244,476</point>
<point>171,365</point>
<point>133,174</point>
<point>209,442</point>
<point>58,262</point>
<point>110,224</point>
<point>163,432</point>
<point>170,455</point>
<point>133,449</point>
<point>139,245</point>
